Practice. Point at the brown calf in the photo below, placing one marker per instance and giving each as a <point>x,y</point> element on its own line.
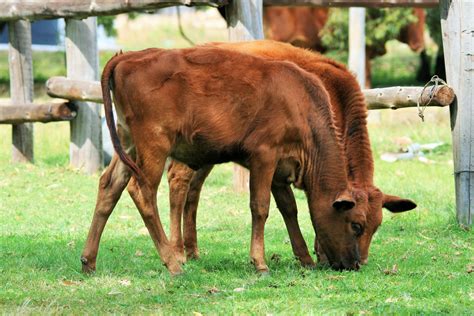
<point>350,112</point>
<point>206,105</point>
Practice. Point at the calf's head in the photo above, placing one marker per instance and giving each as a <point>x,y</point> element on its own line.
<point>339,224</point>
<point>370,203</point>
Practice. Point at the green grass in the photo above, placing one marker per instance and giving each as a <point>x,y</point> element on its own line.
<point>46,208</point>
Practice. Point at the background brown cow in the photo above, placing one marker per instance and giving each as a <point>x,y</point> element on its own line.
<point>303,26</point>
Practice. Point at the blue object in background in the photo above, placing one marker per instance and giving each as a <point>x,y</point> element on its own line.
<point>43,32</point>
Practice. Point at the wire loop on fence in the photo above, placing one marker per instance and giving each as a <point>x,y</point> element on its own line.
<point>421,108</point>
<point>180,27</point>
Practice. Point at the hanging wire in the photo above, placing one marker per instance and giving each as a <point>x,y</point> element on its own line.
<point>421,107</point>
<point>180,27</point>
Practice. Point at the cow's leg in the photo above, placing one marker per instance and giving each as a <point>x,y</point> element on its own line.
<point>111,185</point>
<point>368,73</point>
<point>424,71</point>
<point>143,192</point>
<point>190,212</point>
<point>318,250</point>
<point>286,203</point>
<point>262,169</point>
<point>179,177</point>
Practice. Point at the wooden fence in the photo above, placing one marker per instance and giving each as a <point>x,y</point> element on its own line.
<point>245,23</point>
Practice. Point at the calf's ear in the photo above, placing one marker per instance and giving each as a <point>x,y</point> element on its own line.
<point>396,204</point>
<point>344,201</point>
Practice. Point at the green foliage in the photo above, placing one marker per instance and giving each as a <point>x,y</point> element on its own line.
<point>107,21</point>
<point>381,25</point>
<point>434,25</point>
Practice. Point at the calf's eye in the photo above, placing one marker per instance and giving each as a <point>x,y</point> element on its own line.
<point>357,228</point>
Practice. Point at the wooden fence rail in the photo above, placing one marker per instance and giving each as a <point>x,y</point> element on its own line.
<point>381,98</point>
<point>42,113</point>
<point>48,9</point>
<point>353,3</point>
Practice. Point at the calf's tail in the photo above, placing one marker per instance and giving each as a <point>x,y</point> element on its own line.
<point>106,84</point>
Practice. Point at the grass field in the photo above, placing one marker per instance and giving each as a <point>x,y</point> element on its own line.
<point>421,262</point>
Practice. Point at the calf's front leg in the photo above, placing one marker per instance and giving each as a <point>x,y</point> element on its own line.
<point>262,168</point>
<point>286,204</point>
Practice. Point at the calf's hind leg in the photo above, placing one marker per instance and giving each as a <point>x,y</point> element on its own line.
<point>185,187</point>
<point>190,212</point>
<point>143,193</point>
<point>179,176</point>
<point>111,185</point>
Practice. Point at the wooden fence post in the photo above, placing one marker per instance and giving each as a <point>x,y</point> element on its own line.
<point>458,40</point>
<point>21,86</point>
<point>357,59</point>
<point>244,18</point>
<point>82,63</point>
<point>357,44</point>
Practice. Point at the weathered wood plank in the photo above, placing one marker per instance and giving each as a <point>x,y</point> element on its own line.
<point>354,3</point>
<point>21,86</point>
<point>245,22</point>
<point>405,97</point>
<point>381,98</point>
<point>75,90</point>
<point>43,113</point>
<point>47,9</point>
<point>458,40</point>
<point>85,149</point>
<point>356,61</point>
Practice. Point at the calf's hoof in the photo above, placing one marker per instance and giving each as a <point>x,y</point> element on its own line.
<point>262,269</point>
<point>306,262</point>
<point>87,266</point>
<point>263,272</point>
<point>174,269</point>
<point>180,256</point>
<point>192,254</point>
<point>260,266</point>
<point>308,265</point>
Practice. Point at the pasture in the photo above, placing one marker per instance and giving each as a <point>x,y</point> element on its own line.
<point>420,262</point>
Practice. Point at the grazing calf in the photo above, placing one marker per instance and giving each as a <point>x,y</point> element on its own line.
<point>206,105</point>
<point>350,112</point>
